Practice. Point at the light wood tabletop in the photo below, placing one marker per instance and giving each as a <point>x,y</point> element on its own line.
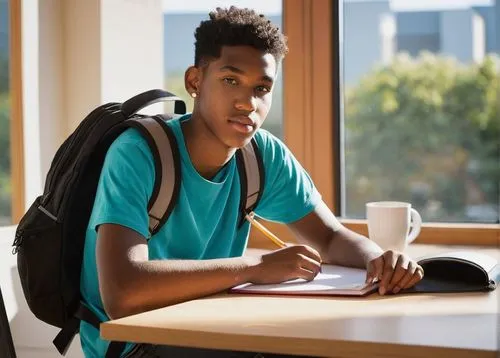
<point>411,325</point>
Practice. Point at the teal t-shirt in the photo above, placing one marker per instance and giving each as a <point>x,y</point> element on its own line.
<point>204,221</point>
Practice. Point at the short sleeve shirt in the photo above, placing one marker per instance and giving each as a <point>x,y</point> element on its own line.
<point>204,221</point>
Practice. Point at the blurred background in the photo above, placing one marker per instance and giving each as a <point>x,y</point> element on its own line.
<point>420,84</point>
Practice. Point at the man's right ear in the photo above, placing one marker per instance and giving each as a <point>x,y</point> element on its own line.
<point>192,79</point>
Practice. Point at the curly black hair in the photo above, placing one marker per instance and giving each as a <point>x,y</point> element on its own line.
<point>237,27</point>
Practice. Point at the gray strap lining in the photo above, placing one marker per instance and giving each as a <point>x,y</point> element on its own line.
<point>252,171</point>
<point>166,191</point>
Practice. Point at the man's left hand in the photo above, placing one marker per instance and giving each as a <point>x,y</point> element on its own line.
<point>394,270</point>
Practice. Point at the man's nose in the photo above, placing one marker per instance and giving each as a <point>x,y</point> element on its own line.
<point>246,102</point>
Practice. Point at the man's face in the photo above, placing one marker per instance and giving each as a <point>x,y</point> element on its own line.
<point>235,93</point>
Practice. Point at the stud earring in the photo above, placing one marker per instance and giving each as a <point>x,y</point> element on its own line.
<point>193,94</point>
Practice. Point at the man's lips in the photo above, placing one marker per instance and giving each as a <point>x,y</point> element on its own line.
<point>242,120</point>
<point>242,124</point>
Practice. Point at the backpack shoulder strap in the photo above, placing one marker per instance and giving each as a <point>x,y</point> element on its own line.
<point>251,170</point>
<point>163,145</point>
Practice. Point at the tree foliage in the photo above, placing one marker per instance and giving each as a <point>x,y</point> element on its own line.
<point>4,73</point>
<point>426,130</point>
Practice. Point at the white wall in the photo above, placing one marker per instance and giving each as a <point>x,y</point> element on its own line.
<point>31,102</point>
<point>77,54</point>
<point>141,45</point>
<point>82,54</point>
<point>113,50</point>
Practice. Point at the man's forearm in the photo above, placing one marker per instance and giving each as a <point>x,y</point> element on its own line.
<point>151,284</point>
<point>348,248</point>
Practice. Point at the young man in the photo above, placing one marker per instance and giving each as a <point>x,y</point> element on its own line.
<point>199,250</point>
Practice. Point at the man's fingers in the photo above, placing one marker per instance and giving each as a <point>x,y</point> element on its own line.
<point>405,279</point>
<point>304,274</point>
<point>374,269</point>
<point>308,251</point>
<point>400,271</point>
<point>370,272</point>
<point>309,264</point>
<point>417,276</point>
<point>369,276</point>
<point>390,260</point>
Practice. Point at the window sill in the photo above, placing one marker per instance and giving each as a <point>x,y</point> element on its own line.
<point>432,233</point>
<point>415,250</point>
<point>445,233</point>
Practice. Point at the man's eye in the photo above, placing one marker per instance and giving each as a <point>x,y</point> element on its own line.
<point>230,81</point>
<point>265,89</point>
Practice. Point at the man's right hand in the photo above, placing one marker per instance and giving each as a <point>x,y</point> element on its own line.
<point>292,262</point>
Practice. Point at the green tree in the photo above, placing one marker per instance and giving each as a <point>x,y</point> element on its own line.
<point>425,130</point>
<point>4,73</point>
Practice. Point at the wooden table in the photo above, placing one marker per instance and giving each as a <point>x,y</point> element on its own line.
<point>418,325</point>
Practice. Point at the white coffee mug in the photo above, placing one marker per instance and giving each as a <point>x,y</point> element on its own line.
<point>389,224</point>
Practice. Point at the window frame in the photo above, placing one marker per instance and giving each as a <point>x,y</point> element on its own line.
<point>16,123</point>
<point>312,107</point>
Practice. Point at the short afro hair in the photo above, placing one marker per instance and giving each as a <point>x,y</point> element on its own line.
<point>237,27</point>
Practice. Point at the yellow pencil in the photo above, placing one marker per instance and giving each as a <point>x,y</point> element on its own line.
<point>264,230</point>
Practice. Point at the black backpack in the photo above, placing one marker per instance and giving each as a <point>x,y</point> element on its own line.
<point>50,237</point>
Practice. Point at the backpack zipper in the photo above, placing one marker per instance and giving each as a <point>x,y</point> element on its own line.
<point>21,234</point>
<point>18,241</point>
<point>48,213</point>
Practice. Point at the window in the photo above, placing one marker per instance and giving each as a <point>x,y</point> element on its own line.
<point>5,159</point>
<point>181,21</point>
<point>421,119</point>
<point>11,177</point>
<point>317,128</point>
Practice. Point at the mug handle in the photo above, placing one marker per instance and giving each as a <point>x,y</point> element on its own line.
<point>416,225</point>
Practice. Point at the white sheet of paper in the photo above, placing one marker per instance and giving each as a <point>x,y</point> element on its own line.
<point>332,280</point>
